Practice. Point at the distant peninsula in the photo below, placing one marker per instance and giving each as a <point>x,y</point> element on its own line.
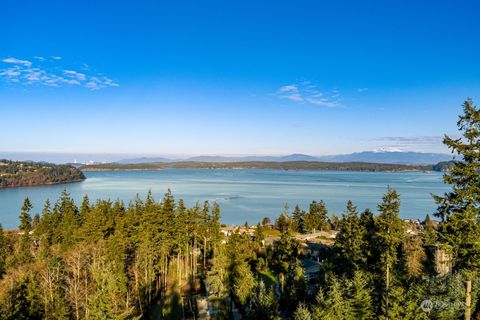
<point>286,165</point>
<point>27,174</point>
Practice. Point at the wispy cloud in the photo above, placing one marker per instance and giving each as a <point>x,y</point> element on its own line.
<point>26,73</point>
<point>307,93</point>
<point>407,143</point>
<point>17,61</point>
<point>362,90</point>
<point>74,74</point>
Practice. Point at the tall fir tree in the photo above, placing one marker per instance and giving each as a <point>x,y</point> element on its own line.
<point>389,235</point>
<point>459,209</point>
<point>25,217</point>
<point>350,242</point>
<point>316,217</point>
<point>298,219</point>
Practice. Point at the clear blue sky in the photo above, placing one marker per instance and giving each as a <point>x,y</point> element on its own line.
<point>235,77</point>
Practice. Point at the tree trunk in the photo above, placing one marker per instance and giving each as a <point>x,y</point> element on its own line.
<point>204,255</point>
<point>387,286</point>
<point>468,300</point>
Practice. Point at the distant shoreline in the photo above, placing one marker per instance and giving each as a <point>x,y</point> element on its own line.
<point>43,184</point>
<point>287,166</point>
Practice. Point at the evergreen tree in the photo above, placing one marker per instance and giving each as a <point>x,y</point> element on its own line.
<point>298,218</point>
<point>350,241</point>
<point>214,228</point>
<point>295,284</point>
<point>429,232</point>
<point>263,304</point>
<point>217,280</point>
<point>334,222</point>
<point>70,220</point>
<point>283,222</point>
<point>259,236</point>
<point>25,248</point>
<point>35,221</point>
<point>302,313</point>
<point>243,281</point>
<point>368,225</point>
<point>84,209</point>
<point>334,303</point>
<point>459,208</point>
<point>361,297</point>
<point>389,235</point>
<point>316,217</point>
<point>25,217</point>
<point>393,303</point>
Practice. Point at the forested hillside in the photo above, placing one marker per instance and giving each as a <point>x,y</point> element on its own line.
<point>287,165</point>
<point>108,260</point>
<point>24,174</point>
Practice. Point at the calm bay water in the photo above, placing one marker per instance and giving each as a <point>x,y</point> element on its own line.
<point>243,195</point>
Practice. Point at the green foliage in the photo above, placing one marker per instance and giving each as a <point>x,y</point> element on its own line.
<point>459,208</point>
<point>360,293</point>
<point>283,254</point>
<point>429,232</point>
<point>333,304</point>
<point>263,304</point>
<point>287,165</point>
<point>295,286</point>
<point>389,229</point>
<point>21,174</point>
<point>25,217</point>
<point>302,313</point>
<point>243,281</point>
<point>108,260</point>
<point>388,238</point>
<point>217,278</point>
<point>316,217</point>
<point>283,223</point>
<point>350,242</point>
<point>3,253</point>
<point>298,220</point>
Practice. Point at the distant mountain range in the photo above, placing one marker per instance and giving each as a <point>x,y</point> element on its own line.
<point>388,157</point>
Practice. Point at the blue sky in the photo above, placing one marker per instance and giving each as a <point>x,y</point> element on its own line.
<point>235,77</point>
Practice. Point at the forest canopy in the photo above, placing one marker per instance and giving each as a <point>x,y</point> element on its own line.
<point>25,174</point>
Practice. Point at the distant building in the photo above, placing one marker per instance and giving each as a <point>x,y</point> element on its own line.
<point>311,268</point>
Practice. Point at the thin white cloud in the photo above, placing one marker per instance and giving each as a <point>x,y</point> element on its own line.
<point>39,58</point>
<point>56,58</point>
<point>408,143</point>
<point>362,90</point>
<point>17,61</point>
<point>74,74</point>
<point>24,72</point>
<point>307,93</point>
<point>95,83</point>
<point>289,88</point>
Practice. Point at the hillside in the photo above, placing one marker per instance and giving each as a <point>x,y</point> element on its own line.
<point>389,157</point>
<point>396,157</point>
<point>25,174</point>
<point>289,165</point>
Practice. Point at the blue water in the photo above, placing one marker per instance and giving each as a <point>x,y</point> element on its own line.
<point>243,195</point>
